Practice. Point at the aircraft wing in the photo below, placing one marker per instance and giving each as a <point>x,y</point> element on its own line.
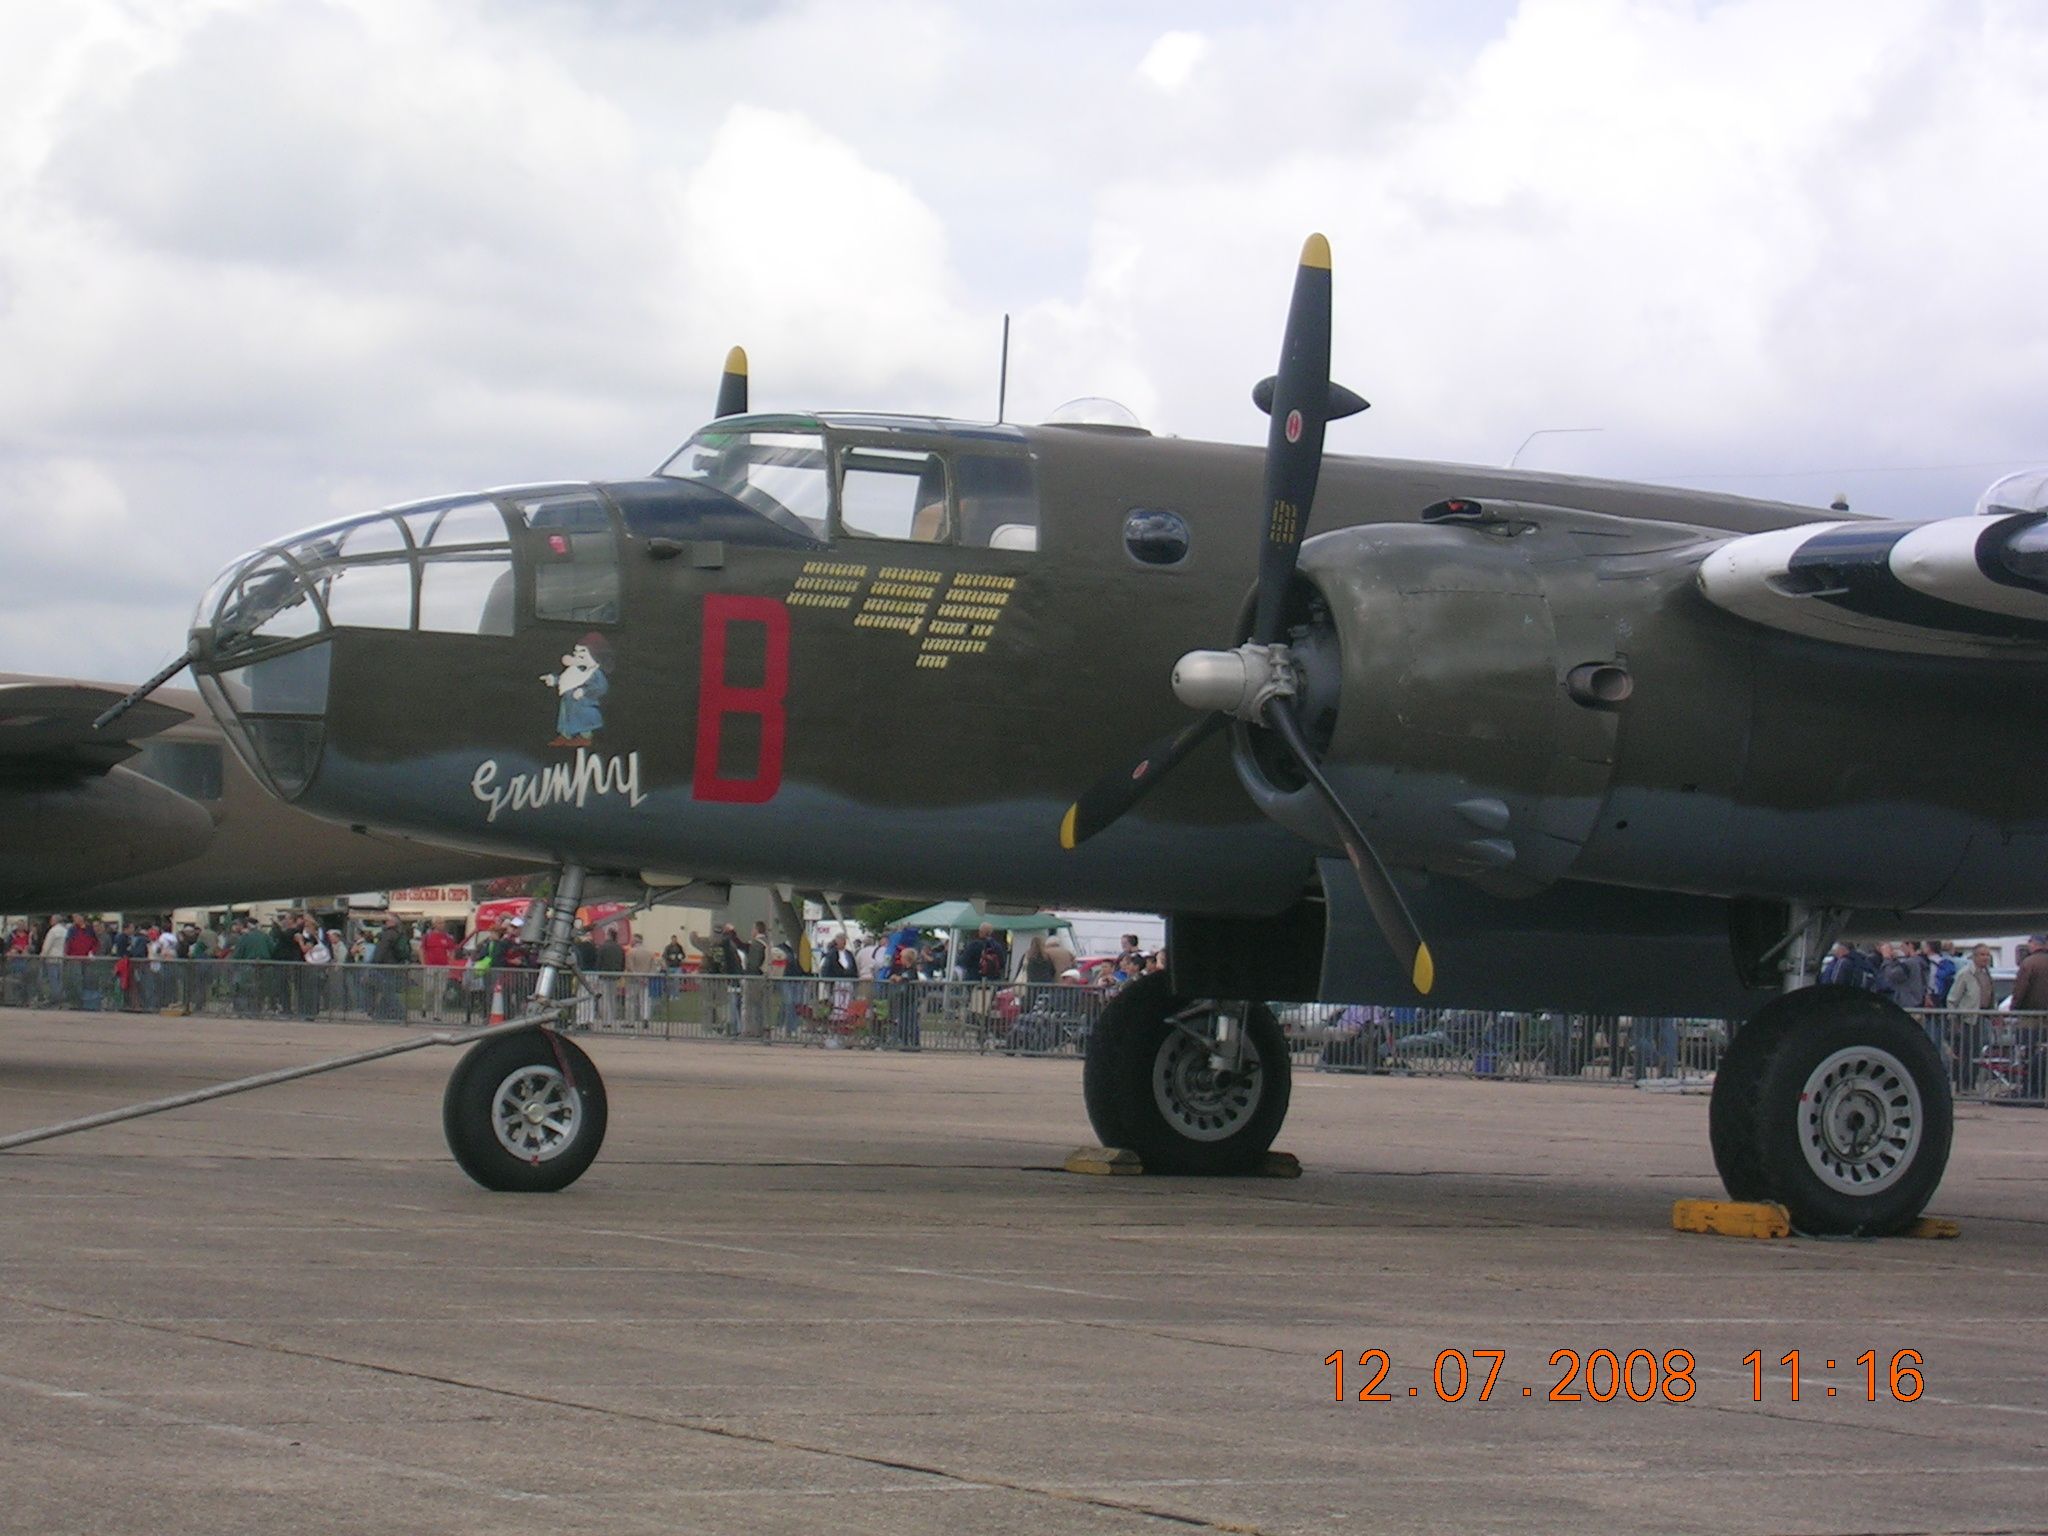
<point>46,733</point>
<point>74,815</point>
<point>1957,586</point>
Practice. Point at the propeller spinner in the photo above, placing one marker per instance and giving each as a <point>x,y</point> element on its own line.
<point>1258,681</point>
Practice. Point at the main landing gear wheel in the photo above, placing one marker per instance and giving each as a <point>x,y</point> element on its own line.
<point>1150,1084</point>
<point>524,1111</point>
<point>1833,1102</point>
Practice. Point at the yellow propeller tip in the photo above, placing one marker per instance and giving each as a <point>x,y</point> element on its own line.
<point>1315,252</point>
<point>1067,827</point>
<point>736,359</point>
<point>1424,974</point>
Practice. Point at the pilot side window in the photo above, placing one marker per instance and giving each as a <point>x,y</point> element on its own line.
<point>893,493</point>
<point>575,561</point>
<point>998,500</point>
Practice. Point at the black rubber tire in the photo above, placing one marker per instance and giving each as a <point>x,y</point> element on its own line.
<point>1829,1019</point>
<point>1731,1110</point>
<point>1101,1089</point>
<point>466,1112</point>
<point>1116,1082</point>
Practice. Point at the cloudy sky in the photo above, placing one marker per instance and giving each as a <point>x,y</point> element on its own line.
<point>263,262</point>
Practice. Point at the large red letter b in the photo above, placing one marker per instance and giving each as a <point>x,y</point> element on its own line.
<point>717,698</point>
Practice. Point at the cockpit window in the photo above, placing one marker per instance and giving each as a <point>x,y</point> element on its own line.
<point>893,493</point>
<point>468,522</point>
<point>373,596</point>
<point>576,565</point>
<point>779,474</point>
<point>998,500</point>
<point>467,594</point>
<point>374,536</point>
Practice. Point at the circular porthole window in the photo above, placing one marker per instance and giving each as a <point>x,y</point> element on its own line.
<point>1156,537</point>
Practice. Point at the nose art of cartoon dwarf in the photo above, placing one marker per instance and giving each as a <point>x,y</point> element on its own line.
<point>581,685</point>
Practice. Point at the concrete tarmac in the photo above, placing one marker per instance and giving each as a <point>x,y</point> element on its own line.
<point>811,1291</point>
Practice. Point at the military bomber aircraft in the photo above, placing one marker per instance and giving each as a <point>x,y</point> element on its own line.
<point>1487,738</point>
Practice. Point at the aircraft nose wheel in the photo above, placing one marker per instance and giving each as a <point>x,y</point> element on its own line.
<point>537,1113</point>
<point>1152,1086</point>
<point>525,1111</point>
<point>1834,1102</point>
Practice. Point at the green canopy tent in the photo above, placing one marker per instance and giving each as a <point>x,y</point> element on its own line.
<point>959,917</point>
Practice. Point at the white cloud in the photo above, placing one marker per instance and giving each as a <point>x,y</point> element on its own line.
<point>820,262</point>
<point>1170,62</point>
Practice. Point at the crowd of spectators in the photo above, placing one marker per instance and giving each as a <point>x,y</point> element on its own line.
<point>290,965</point>
<point>1934,973</point>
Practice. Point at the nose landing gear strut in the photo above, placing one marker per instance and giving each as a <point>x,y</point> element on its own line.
<point>525,1109</point>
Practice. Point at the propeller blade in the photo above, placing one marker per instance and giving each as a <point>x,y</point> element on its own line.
<point>732,385</point>
<point>1381,894</point>
<point>1115,793</point>
<point>185,659</point>
<point>1294,442</point>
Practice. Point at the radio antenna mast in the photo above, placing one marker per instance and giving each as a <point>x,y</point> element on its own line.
<point>1003,378</point>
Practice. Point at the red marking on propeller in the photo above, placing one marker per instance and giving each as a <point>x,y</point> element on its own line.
<point>1294,426</point>
<point>1140,771</point>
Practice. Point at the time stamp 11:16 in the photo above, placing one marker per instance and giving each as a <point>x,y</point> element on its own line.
<point>1639,1376</point>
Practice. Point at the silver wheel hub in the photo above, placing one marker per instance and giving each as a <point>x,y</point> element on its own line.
<point>1860,1120</point>
<point>536,1113</point>
<point>1200,1101</point>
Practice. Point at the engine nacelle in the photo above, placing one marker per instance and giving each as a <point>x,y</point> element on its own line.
<point>1483,656</point>
<point>70,837</point>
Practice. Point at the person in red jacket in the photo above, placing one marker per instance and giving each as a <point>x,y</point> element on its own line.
<point>437,947</point>
<point>80,946</point>
<point>437,953</point>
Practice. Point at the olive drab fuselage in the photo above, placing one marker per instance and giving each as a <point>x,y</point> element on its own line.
<point>658,676</point>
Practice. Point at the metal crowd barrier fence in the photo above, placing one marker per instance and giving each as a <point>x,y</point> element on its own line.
<point>1013,1018</point>
<point>1990,1056</point>
<point>1455,1042</point>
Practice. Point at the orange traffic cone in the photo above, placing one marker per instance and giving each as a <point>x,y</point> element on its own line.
<point>497,1004</point>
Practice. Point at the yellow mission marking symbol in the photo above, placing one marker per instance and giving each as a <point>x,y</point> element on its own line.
<point>908,600</point>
